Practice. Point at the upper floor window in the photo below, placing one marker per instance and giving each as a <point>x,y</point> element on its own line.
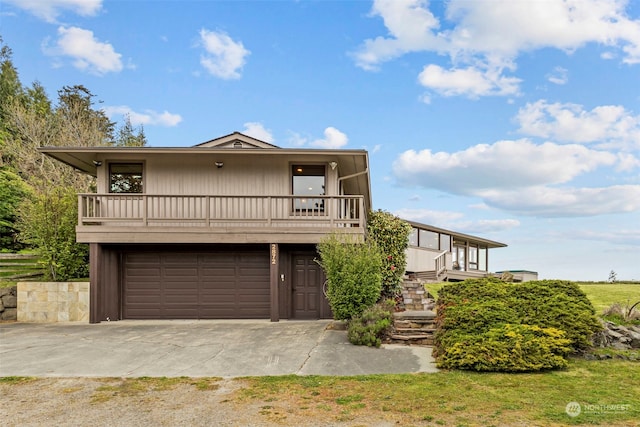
<point>307,181</point>
<point>125,178</point>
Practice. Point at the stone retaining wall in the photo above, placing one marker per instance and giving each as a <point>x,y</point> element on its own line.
<point>53,302</point>
<point>8,303</point>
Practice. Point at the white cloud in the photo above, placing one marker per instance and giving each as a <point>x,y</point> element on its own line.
<point>504,164</point>
<point>147,117</point>
<point>223,57</point>
<point>473,37</point>
<point>559,76</point>
<point>607,125</point>
<point>624,237</point>
<point>258,131</point>
<point>523,177</point>
<point>486,225</point>
<point>49,10</point>
<point>430,217</point>
<point>454,221</point>
<point>376,148</point>
<point>410,25</point>
<point>471,81</point>
<point>547,201</point>
<point>88,53</point>
<point>296,140</point>
<point>333,138</point>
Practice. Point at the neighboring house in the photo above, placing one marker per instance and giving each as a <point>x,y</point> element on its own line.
<point>225,229</point>
<point>436,254</point>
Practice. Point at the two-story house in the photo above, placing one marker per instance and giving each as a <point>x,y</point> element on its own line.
<point>228,229</point>
<point>225,229</point>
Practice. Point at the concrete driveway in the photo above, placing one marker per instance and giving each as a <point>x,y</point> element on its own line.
<point>195,349</point>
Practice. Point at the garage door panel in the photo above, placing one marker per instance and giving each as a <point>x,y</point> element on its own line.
<point>220,284</point>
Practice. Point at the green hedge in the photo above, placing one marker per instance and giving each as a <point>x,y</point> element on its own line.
<point>354,280</point>
<point>490,325</point>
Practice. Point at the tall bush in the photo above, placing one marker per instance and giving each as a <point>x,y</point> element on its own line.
<point>47,221</point>
<point>353,271</point>
<point>391,235</point>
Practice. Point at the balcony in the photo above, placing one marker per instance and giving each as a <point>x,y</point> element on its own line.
<point>143,218</point>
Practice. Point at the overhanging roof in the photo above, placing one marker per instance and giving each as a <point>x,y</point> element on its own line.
<point>461,236</point>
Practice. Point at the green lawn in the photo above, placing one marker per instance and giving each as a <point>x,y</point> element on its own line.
<point>602,295</point>
<point>605,390</point>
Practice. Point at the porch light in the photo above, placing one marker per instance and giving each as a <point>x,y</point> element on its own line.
<point>333,165</point>
<point>97,163</point>
<point>219,164</point>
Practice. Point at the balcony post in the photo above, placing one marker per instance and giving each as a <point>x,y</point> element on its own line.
<point>207,210</point>
<point>80,210</point>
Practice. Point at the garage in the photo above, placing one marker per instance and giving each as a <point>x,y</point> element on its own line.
<point>223,283</point>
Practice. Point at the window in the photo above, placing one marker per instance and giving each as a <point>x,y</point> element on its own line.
<point>428,239</point>
<point>307,181</point>
<point>473,257</point>
<point>445,242</point>
<point>413,237</point>
<point>125,178</point>
<point>482,259</point>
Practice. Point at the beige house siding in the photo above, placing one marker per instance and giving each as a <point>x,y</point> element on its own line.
<point>198,174</point>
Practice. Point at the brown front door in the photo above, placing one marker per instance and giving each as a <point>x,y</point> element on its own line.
<point>307,287</point>
<point>308,300</point>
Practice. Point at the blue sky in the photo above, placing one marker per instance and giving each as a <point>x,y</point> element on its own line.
<point>515,121</point>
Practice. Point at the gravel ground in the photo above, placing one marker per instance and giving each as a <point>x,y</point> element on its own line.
<point>104,402</point>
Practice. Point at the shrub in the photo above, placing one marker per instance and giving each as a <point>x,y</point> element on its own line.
<point>391,235</point>
<point>508,347</point>
<point>487,324</point>
<point>353,274</point>
<point>369,328</point>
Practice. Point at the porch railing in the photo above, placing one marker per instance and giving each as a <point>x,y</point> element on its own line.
<point>440,263</point>
<point>220,211</point>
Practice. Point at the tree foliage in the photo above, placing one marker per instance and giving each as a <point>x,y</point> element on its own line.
<point>353,271</point>
<point>13,191</point>
<point>48,223</point>
<point>391,235</point>
<point>30,120</point>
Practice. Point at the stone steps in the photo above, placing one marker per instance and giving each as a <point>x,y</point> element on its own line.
<point>413,327</point>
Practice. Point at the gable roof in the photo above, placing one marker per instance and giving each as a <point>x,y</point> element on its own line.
<point>236,140</point>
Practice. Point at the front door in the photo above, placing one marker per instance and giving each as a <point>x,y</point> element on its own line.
<point>306,285</point>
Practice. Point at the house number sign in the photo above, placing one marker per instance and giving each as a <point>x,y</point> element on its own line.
<point>274,253</point>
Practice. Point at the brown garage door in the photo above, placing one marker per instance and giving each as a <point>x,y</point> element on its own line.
<point>220,284</point>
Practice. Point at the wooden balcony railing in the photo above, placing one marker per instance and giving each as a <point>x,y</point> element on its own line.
<point>220,211</point>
